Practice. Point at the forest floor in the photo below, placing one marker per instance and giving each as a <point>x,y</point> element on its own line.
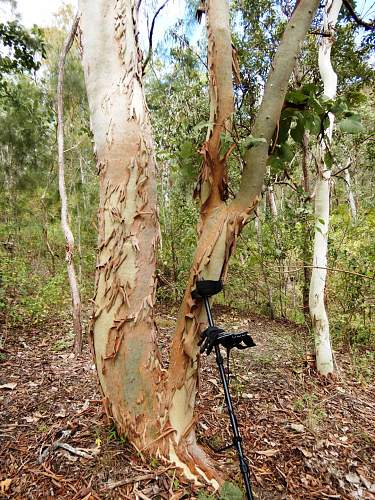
<point>305,437</point>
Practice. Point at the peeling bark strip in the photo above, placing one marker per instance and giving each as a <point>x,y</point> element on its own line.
<point>212,182</point>
<point>124,331</point>
<point>155,416</point>
<point>76,300</point>
<point>319,318</point>
<point>221,224</point>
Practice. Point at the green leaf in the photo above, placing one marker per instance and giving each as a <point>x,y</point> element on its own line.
<point>187,149</point>
<point>200,125</point>
<point>309,89</point>
<point>296,97</point>
<point>316,106</point>
<point>286,152</point>
<point>230,491</point>
<point>326,122</point>
<point>351,125</point>
<point>340,106</point>
<point>298,130</point>
<point>312,123</point>
<point>276,164</point>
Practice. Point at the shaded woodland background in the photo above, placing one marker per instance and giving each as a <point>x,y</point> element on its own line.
<point>270,271</point>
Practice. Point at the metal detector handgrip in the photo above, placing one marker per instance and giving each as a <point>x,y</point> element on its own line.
<point>213,336</point>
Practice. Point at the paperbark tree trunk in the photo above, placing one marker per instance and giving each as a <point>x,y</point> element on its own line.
<point>319,318</point>
<point>74,290</point>
<point>157,413</point>
<point>123,327</point>
<point>221,223</point>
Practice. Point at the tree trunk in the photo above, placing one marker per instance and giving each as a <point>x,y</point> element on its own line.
<point>221,224</point>
<point>258,229</point>
<point>349,192</point>
<point>74,290</point>
<point>271,202</point>
<point>306,245</point>
<point>319,318</point>
<point>123,327</point>
<point>157,415</point>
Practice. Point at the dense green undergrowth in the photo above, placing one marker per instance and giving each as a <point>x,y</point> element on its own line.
<point>269,271</point>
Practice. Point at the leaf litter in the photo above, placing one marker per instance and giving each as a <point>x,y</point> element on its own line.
<point>305,437</point>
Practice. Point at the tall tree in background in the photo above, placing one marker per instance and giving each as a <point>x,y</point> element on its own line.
<point>155,409</point>
<point>69,253</point>
<point>320,322</point>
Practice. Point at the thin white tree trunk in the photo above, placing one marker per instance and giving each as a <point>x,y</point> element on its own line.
<point>270,194</point>
<point>258,228</point>
<point>349,192</point>
<point>319,318</point>
<point>76,300</point>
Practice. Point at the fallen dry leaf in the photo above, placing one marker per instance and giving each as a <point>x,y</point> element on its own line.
<point>353,478</point>
<point>4,486</point>
<point>10,386</point>
<point>267,453</point>
<point>297,427</point>
<point>305,452</point>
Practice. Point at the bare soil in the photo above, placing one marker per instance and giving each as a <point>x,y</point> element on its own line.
<point>305,437</point>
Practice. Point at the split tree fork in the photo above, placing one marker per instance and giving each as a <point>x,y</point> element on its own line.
<point>153,407</point>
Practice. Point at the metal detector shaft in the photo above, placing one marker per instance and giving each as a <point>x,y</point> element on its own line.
<point>237,440</point>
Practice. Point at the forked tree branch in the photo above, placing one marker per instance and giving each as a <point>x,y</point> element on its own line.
<point>150,36</point>
<point>273,98</point>
<point>349,7</point>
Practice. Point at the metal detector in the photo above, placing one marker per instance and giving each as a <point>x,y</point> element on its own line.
<point>213,338</point>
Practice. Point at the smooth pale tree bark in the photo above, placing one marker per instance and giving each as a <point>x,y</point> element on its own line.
<point>306,246</point>
<point>155,411</point>
<point>319,318</point>
<point>123,327</point>
<point>69,239</point>
<point>271,202</point>
<point>221,223</point>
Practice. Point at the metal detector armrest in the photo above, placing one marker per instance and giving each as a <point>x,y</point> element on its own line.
<point>206,288</point>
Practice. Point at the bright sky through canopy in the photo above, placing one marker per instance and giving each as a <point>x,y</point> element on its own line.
<point>41,12</point>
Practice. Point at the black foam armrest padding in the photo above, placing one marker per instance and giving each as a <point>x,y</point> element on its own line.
<point>206,288</point>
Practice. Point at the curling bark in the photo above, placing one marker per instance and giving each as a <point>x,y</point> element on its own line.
<point>319,318</point>
<point>153,409</point>
<point>123,327</point>
<point>69,239</point>
<point>221,223</point>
